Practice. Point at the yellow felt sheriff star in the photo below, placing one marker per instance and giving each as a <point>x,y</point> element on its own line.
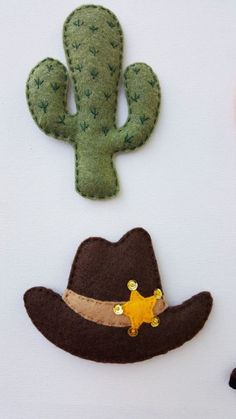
<point>139,309</point>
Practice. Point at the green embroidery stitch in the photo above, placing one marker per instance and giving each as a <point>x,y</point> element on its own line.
<point>135,97</point>
<point>128,138</point>
<point>105,130</point>
<point>152,82</point>
<point>76,45</point>
<point>93,28</point>
<point>49,67</point>
<point>55,86</point>
<point>143,119</point>
<point>61,119</point>
<point>136,70</point>
<point>94,73</point>
<point>114,44</point>
<point>78,23</point>
<point>112,69</point>
<point>38,82</point>
<point>84,126</point>
<point>87,92</point>
<point>93,45</point>
<point>94,112</point>
<point>111,24</point>
<point>93,51</point>
<point>107,95</point>
<point>79,67</point>
<point>43,105</point>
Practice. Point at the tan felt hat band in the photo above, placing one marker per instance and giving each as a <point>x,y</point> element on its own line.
<point>101,312</point>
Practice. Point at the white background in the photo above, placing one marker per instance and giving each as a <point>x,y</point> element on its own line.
<point>181,187</point>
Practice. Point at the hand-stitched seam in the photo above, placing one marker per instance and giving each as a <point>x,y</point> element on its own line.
<point>126,142</point>
<point>117,322</point>
<point>184,304</point>
<point>86,315</point>
<point>120,39</point>
<point>149,352</point>
<point>48,132</point>
<point>130,107</point>
<point>96,302</point>
<point>95,196</point>
<point>113,244</point>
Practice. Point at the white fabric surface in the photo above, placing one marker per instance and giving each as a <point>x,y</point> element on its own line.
<point>181,187</point>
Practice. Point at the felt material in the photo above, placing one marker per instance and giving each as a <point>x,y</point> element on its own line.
<point>93,45</point>
<point>101,312</point>
<point>139,309</point>
<point>101,270</point>
<point>232,381</point>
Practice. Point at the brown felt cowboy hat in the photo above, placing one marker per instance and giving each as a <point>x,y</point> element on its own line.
<point>114,309</point>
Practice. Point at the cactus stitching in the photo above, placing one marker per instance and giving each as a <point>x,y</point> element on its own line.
<point>93,45</point>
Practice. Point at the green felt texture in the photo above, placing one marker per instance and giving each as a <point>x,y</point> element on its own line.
<point>93,45</point>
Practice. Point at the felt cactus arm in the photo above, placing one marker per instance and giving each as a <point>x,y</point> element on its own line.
<point>93,45</point>
<point>143,96</point>
<point>46,95</point>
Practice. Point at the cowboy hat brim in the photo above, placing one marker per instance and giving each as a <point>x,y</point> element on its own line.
<point>89,340</point>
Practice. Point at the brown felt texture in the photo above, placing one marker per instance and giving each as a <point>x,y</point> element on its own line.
<point>232,380</point>
<point>101,270</point>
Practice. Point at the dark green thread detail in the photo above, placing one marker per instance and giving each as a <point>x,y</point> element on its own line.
<point>105,130</point>
<point>94,51</point>
<point>152,82</point>
<point>61,119</point>
<point>55,86</point>
<point>111,24</point>
<point>79,67</point>
<point>107,95</point>
<point>43,105</point>
<point>93,28</point>
<point>78,23</point>
<point>38,82</point>
<point>84,126</point>
<point>128,139</point>
<point>135,97</point>
<point>76,45</point>
<point>94,112</point>
<point>49,67</point>
<point>91,67</point>
<point>94,73</point>
<point>112,69</point>
<point>114,44</point>
<point>143,119</point>
<point>87,93</point>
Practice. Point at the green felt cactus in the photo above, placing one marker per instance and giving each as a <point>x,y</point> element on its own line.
<point>93,45</point>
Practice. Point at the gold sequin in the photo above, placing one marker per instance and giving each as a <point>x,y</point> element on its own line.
<point>155,322</point>
<point>132,332</point>
<point>158,293</point>
<point>132,285</point>
<point>118,309</point>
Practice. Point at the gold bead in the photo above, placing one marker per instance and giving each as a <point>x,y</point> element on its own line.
<point>118,309</point>
<point>132,332</point>
<point>155,322</point>
<point>158,293</point>
<point>132,285</point>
